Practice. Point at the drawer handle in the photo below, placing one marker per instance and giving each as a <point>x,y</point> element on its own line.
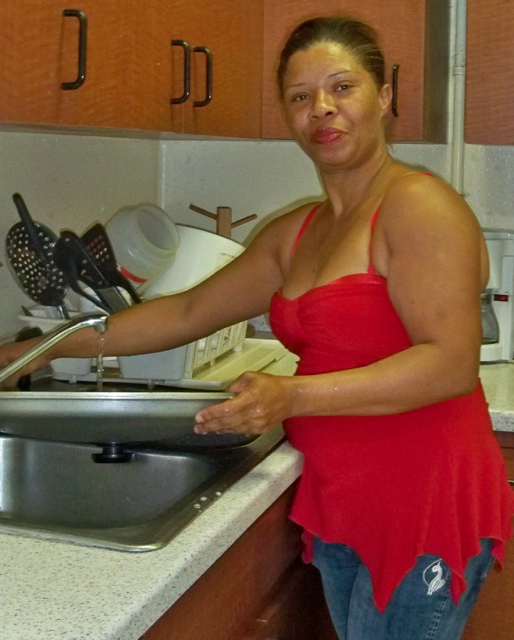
<point>394,102</point>
<point>187,71</point>
<point>511,482</point>
<point>81,16</point>
<point>208,77</point>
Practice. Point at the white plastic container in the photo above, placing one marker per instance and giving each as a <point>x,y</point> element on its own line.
<point>144,239</point>
<point>199,254</point>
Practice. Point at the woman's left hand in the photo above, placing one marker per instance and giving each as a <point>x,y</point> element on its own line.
<point>262,401</point>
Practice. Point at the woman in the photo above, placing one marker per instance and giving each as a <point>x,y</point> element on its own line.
<point>404,498</point>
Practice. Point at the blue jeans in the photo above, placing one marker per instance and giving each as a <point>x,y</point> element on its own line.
<point>418,610</point>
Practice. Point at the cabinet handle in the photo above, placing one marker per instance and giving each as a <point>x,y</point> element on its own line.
<point>208,77</point>
<point>81,16</point>
<point>394,102</point>
<point>187,71</point>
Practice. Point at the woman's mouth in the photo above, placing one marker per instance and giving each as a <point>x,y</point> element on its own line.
<point>326,135</point>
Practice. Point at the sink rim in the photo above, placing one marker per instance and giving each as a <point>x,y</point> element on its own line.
<point>109,416</point>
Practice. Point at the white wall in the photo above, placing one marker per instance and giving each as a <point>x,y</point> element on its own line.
<point>489,184</point>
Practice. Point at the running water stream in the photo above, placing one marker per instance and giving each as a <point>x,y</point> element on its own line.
<point>100,363</point>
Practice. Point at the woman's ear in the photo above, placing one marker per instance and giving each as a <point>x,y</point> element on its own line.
<point>385,97</point>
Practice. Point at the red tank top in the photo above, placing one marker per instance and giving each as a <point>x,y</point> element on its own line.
<point>392,487</point>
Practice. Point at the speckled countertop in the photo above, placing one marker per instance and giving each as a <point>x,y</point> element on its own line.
<point>498,383</point>
<point>50,590</point>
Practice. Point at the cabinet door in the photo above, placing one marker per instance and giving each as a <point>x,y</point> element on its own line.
<point>493,615</point>
<point>126,46</point>
<point>401,28</point>
<point>232,31</point>
<point>490,72</point>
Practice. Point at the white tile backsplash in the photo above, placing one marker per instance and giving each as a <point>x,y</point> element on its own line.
<point>489,184</point>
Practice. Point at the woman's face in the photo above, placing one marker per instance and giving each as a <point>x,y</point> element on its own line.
<point>333,106</point>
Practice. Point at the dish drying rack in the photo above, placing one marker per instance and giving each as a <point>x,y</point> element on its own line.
<point>207,350</point>
<point>182,363</point>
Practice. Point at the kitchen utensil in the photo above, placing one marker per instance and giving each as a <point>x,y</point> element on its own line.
<point>90,275</point>
<point>30,226</point>
<point>66,261</point>
<point>38,277</point>
<point>99,246</point>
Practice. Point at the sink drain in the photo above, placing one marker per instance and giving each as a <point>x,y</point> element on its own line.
<point>112,453</point>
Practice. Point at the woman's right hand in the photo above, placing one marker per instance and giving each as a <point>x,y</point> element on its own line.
<point>11,352</point>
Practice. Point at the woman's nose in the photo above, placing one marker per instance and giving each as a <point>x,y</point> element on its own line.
<point>322,105</point>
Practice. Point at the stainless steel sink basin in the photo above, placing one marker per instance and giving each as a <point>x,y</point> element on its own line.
<point>120,468</point>
<point>136,499</point>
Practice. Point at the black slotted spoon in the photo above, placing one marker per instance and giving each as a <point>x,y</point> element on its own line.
<point>29,250</point>
<point>99,247</point>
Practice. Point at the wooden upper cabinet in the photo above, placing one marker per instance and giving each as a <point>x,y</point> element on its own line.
<point>40,51</point>
<point>490,72</point>
<point>228,36</point>
<point>411,32</point>
<point>132,69</point>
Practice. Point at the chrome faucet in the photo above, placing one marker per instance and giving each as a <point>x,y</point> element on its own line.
<point>96,320</point>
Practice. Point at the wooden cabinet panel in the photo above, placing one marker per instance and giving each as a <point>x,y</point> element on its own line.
<point>493,615</point>
<point>132,70</point>
<point>233,31</point>
<point>295,609</point>
<point>490,72</point>
<point>123,75</point>
<point>402,32</point>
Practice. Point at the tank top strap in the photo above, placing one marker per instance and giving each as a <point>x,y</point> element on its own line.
<point>304,226</point>
<point>374,218</point>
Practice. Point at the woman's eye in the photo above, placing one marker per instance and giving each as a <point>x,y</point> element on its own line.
<point>344,86</point>
<point>300,97</point>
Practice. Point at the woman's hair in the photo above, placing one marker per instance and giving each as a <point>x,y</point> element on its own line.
<point>354,35</point>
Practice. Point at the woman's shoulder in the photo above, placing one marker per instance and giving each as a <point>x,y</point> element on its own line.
<point>287,225</point>
<point>279,234</point>
<point>421,199</point>
<point>420,214</point>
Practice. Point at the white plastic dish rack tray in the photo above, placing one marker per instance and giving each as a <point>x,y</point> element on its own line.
<point>183,362</point>
<point>207,350</point>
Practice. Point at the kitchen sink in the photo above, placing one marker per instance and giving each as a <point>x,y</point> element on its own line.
<point>132,497</point>
<point>119,468</point>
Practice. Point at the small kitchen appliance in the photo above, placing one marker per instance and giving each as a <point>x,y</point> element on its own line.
<point>498,298</point>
